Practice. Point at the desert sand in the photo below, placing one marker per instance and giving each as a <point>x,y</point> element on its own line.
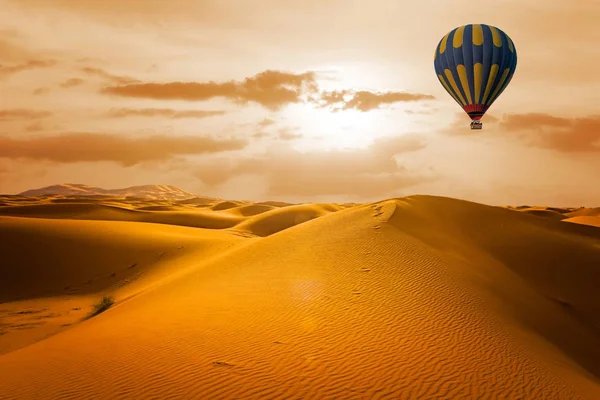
<point>421,297</point>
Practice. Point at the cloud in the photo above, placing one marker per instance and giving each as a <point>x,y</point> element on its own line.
<point>35,127</point>
<point>162,112</point>
<point>392,145</point>
<point>284,133</point>
<point>260,134</point>
<point>22,114</point>
<point>266,122</point>
<point>69,83</point>
<point>32,64</point>
<point>81,147</point>
<point>568,135</point>
<point>363,100</point>
<point>533,121</point>
<point>12,48</point>
<point>271,89</point>
<point>116,79</point>
<point>42,90</point>
<point>422,112</point>
<point>288,134</point>
<point>367,173</point>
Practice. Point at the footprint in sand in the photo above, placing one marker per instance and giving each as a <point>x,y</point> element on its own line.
<point>222,364</point>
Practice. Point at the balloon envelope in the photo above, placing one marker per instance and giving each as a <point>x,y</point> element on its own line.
<point>475,63</point>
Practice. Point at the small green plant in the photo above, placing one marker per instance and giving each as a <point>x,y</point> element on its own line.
<point>103,305</point>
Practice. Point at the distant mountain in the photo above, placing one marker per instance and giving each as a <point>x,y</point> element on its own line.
<point>159,192</point>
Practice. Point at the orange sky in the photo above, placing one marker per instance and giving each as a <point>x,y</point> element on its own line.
<point>329,100</point>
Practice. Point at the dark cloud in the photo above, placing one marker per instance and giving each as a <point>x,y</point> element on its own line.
<point>365,100</point>
<point>162,112</point>
<point>69,83</point>
<point>271,89</point>
<point>35,127</point>
<point>25,66</point>
<point>80,147</point>
<point>22,114</point>
<point>568,135</point>
<point>116,79</point>
<point>42,90</point>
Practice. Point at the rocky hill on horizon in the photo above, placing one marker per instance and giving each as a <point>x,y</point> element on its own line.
<point>144,191</point>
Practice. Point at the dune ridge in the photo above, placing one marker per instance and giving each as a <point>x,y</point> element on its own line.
<point>416,298</point>
<point>265,219</point>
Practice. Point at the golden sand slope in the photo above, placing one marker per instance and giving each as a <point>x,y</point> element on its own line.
<point>54,270</point>
<point>416,298</point>
<point>585,220</point>
<point>586,216</point>
<point>582,215</point>
<point>266,219</point>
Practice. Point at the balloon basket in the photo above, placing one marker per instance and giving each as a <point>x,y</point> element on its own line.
<point>476,125</point>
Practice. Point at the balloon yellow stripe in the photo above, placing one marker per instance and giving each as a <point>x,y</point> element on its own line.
<point>457,41</point>
<point>511,46</point>
<point>443,44</point>
<point>441,78</point>
<point>497,90</point>
<point>477,68</point>
<point>462,74</point>
<point>508,79</point>
<point>453,85</point>
<point>477,35</point>
<point>490,82</point>
<point>496,37</point>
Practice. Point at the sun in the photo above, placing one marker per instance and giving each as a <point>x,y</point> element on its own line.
<point>335,129</point>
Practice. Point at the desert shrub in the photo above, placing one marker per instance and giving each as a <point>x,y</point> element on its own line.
<point>103,305</point>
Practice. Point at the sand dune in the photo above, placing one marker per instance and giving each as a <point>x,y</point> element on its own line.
<point>250,209</point>
<point>221,215</point>
<point>593,220</point>
<point>273,221</point>
<point>225,205</point>
<point>581,215</point>
<point>182,216</point>
<point>53,270</point>
<point>415,298</point>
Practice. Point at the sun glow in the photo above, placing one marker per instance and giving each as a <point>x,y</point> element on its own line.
<point>336,129</point>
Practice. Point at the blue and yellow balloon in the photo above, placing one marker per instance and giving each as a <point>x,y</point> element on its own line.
<point>475,63</point>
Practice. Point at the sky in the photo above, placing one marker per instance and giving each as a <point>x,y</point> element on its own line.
<point>312,101</point>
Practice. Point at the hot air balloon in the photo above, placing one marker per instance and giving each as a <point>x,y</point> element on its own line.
<point>475,63</point>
